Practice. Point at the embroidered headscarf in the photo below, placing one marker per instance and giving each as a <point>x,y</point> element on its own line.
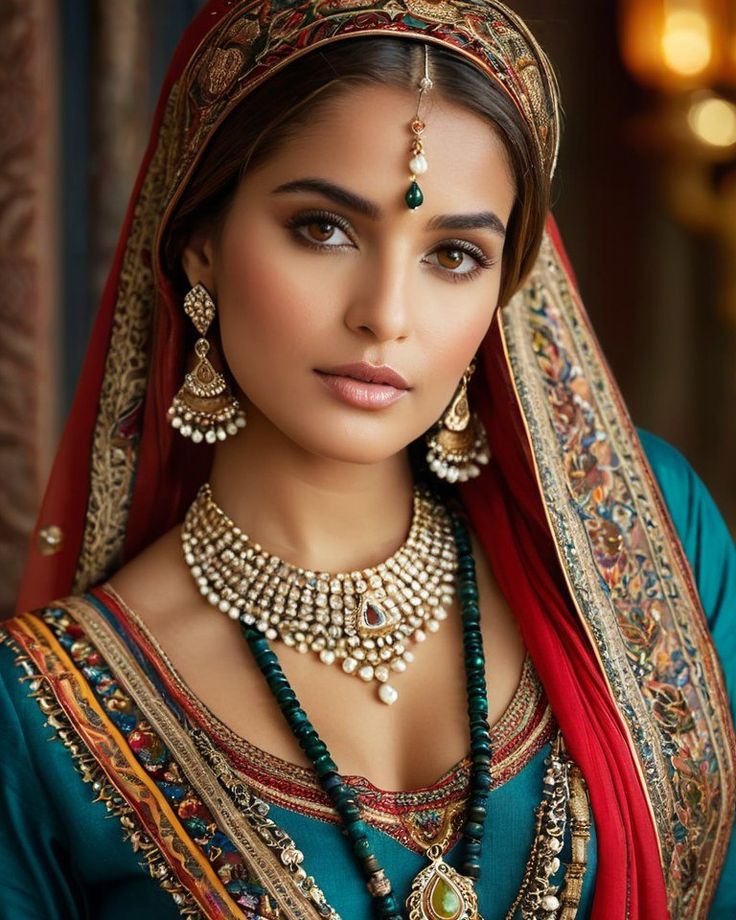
<point>569,513</point>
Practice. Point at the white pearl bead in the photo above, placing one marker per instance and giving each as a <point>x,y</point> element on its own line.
<point>211,436</point>
<point>387,694</point>
<point>398,665</point>
<point>418,164</point>
<point>197,436</point>
<point>176,422</point>
<point>366,673</point>
<point>550,902</point>
<point>349,665</point>
<point>326,656</point>
<point>382,673</point>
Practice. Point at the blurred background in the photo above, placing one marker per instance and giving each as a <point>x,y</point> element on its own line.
<point>645,196</point>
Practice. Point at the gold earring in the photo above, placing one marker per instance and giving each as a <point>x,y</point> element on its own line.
<point>457,444</point>
<point>204,409</point>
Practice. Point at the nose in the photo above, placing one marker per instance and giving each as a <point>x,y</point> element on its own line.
<point>381,305</point>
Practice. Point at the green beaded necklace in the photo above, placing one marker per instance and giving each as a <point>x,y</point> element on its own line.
<point>438,892</point>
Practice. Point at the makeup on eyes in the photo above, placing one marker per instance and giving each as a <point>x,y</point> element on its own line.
<point>327,219</point>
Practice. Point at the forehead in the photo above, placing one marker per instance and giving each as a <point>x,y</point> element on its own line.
<point>361,139</point>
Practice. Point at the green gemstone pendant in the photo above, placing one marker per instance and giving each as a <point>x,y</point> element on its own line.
<point>414,197</point>
<point>439,892</point>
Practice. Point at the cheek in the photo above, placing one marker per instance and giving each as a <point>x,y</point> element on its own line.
<point>266,302</point>
<point>452,344</point>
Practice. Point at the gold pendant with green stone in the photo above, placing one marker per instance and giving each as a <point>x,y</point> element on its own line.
<point>439,892</point>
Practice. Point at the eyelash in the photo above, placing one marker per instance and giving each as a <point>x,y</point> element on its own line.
<point>327,217</point>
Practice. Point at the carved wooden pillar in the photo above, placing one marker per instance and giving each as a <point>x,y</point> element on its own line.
<point>28,281</point>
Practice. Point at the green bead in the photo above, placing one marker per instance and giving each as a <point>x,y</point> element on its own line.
<point>362,847</point>
<point>473,829</point>
<point>357,830</point>
<point>414,197</point>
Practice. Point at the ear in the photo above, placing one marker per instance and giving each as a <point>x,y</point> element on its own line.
<point>197,260</point>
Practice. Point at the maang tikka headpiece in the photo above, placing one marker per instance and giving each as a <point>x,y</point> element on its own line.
<point>418,163</point>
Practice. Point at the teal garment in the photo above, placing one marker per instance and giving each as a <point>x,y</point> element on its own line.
<point>62,857</point>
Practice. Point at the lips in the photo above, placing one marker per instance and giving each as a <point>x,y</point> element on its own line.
<point>370,373</point>
<point>365,386</point>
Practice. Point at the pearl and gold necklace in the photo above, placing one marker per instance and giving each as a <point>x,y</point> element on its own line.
<point>363,620</point>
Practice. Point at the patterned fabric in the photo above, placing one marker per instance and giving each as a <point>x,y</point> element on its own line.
<point>631,584</point>
<point>143,761</point>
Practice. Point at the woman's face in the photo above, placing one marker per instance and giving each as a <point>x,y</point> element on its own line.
<point>320,264</point>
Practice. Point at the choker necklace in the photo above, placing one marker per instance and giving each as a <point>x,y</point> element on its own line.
<point>363,619</point>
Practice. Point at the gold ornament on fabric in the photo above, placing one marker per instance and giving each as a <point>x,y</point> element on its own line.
<point>204,409</point>
<point>458,446</point>
<point>440,892</point>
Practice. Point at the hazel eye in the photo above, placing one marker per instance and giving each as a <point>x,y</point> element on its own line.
<point>450,258</point>
<point>321,231</point>
<point>456,261</point>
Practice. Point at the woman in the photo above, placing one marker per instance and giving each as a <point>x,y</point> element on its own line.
<point>321,178</point>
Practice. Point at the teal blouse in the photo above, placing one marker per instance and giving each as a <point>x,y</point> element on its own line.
<point>61,857</point>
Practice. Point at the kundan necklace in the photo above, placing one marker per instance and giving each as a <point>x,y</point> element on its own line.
<point>363,620</point>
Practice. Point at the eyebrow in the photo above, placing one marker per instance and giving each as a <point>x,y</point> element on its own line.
<point>483,220</point>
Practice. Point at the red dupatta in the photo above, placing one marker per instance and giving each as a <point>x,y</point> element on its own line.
<point>568,514</point>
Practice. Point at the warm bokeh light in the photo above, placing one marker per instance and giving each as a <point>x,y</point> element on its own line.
<point>713,121</point>
<point>687,46</point>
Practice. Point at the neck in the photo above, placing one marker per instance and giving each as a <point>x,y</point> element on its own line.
<point>318,513</point>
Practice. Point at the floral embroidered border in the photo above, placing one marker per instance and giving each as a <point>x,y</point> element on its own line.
<point>629,579</point>
<point>172,806</point>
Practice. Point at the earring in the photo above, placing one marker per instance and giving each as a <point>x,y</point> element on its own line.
<point>204,409</point>
<point>457,444</point>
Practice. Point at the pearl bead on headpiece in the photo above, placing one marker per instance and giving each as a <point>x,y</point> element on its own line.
<point>418,162</point>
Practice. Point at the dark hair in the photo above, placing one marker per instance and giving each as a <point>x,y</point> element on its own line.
<point>275,110</point>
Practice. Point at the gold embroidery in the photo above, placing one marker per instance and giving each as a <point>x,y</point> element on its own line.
<point>91,772</point>
<point>650,654</point>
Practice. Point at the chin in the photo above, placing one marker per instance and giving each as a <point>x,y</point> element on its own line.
<point>362,447</point>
